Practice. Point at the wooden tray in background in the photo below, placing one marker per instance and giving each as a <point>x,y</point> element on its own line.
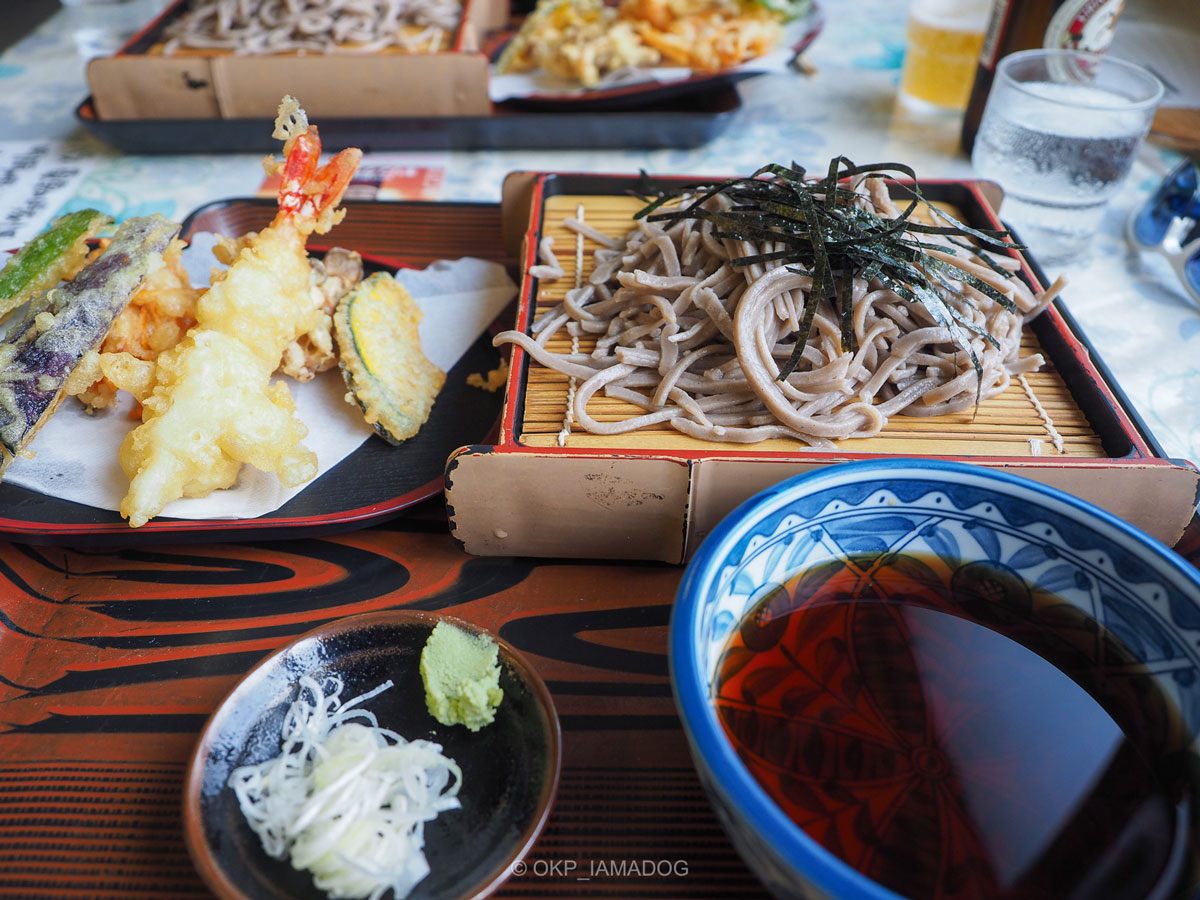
<point>216,102</point>
<point>655,494</point>
<point>679,122</point>
<point>140,82</point>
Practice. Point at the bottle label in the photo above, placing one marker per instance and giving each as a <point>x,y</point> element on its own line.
<point>1083,25</point>
<point>995,30</point>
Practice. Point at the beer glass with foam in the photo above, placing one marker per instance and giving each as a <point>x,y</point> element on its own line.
<point>942,52</point>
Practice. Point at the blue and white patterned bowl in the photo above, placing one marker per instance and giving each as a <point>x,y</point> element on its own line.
<point>1141,591</point>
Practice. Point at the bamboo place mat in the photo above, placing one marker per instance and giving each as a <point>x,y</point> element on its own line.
<point>1019,422</point>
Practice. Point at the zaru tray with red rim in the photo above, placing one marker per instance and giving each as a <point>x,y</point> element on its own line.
<point>549,488</point>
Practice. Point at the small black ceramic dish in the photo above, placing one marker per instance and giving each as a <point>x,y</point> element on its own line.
<point>510,767</point>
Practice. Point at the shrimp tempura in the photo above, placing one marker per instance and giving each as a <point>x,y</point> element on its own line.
<point>212,407</point>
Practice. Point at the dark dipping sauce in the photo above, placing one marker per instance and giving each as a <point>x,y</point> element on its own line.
<point>953,734</point>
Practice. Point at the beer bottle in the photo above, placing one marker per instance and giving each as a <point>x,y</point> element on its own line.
<point>1024,24</point>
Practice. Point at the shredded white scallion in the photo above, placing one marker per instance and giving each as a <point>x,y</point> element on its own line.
<point>347,801</point>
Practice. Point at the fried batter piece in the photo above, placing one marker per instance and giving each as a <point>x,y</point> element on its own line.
<point>389,377</point>
<point>582,40</point>
<point>212,407</point>
<point>706,35</point>
<point>156,319</point>
<point>313,351</point>
<point>331,277</point>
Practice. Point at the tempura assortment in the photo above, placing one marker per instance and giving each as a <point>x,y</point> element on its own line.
<point>201,362</point>
<point>587,40</point>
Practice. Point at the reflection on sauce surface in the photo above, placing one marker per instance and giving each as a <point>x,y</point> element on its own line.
<point>953,734</point>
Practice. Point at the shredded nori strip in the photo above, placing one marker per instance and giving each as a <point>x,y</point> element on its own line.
<point>829,238</point>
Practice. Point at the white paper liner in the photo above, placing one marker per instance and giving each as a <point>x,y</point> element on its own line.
<point>75,454</point>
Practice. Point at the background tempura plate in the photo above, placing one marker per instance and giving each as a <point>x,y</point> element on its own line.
<point>640,94</point>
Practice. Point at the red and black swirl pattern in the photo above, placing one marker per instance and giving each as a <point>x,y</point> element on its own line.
<point>111,661</point>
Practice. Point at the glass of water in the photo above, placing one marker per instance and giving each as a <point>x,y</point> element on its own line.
<point>1059,134</point>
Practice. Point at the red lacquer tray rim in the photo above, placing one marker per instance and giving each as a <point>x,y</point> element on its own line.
<point>1125,424</point>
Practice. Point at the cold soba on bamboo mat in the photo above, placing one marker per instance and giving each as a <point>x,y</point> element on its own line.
<point>682,343</point>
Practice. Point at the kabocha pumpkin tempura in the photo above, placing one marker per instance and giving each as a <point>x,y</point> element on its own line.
<point>212,407</point>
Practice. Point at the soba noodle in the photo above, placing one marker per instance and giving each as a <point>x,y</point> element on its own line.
<point>697,343</point>
<point>321,26</point>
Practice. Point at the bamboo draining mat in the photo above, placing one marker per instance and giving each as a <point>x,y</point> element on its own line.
<point>419,37</point>
<point>415,38</point>
<point>1008,424</point>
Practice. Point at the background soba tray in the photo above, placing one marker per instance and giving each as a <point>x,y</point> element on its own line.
<point>656,494</point>
<point>141,83</point>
